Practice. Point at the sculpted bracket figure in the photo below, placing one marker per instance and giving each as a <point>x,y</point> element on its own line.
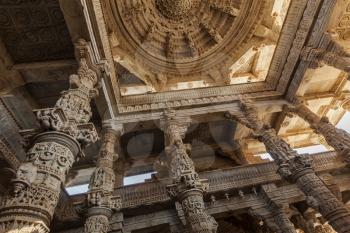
<point>65,129</point>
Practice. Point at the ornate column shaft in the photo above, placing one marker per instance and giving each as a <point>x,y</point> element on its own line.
<point>100,198</point>
<point>273,212</point>
<point>29,207</point>
<point>297,169</point>
<point>337,138</point>
<point>187,188</point>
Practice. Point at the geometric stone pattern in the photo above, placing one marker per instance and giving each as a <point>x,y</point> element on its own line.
<point>34,30</point>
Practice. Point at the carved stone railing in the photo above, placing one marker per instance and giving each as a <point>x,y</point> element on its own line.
<point>221,180</point>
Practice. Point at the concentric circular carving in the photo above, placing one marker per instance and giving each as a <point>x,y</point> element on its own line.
<point>176,9</point>
<point>175,38</point>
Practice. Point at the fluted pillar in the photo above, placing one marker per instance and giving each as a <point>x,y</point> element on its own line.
<point>187,188</point>
<point>30,206</point>
<point>339,139</point>
<point>297,169</point>
<point>101,201</point>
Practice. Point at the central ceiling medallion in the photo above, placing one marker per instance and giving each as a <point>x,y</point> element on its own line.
<point>166,42</point>
<point>176,9</point>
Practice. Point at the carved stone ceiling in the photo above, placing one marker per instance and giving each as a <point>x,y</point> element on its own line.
<point>34,30</point>
<point>186,44</point>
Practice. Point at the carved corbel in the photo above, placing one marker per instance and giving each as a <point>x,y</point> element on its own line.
<point>187,188</point>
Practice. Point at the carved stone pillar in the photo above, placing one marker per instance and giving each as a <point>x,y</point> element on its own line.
<point>273,211</point>
<point>297,169</point>
<point>29,207</point>
<point>187,188</point>
<point>329,53</point>
<point>100,198</point>
<point>337,138</point>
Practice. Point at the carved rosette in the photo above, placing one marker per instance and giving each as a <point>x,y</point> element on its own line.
<point>52,153</point>
<point>298,169</point>
<point>187,187</point>
<point>176,9</point>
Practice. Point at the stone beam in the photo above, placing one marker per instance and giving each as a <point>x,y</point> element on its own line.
<point>264,107</point>
<point>9,79</point>
<point>221,180</point>
<point>45,65</point>
<point>315,40</point>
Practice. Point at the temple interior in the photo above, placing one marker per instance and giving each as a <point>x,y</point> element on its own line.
<point>175,116</point>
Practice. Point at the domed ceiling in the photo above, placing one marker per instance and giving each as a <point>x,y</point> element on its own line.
<point>184,44</point>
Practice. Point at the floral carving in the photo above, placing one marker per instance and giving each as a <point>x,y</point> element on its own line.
<point>177,9</point>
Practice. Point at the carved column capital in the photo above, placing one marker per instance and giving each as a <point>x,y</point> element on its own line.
<point>72,112</point>
<point>65,129</point>
<point>112,127</point>
<point>249,116</point>
<point>174,126</point>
